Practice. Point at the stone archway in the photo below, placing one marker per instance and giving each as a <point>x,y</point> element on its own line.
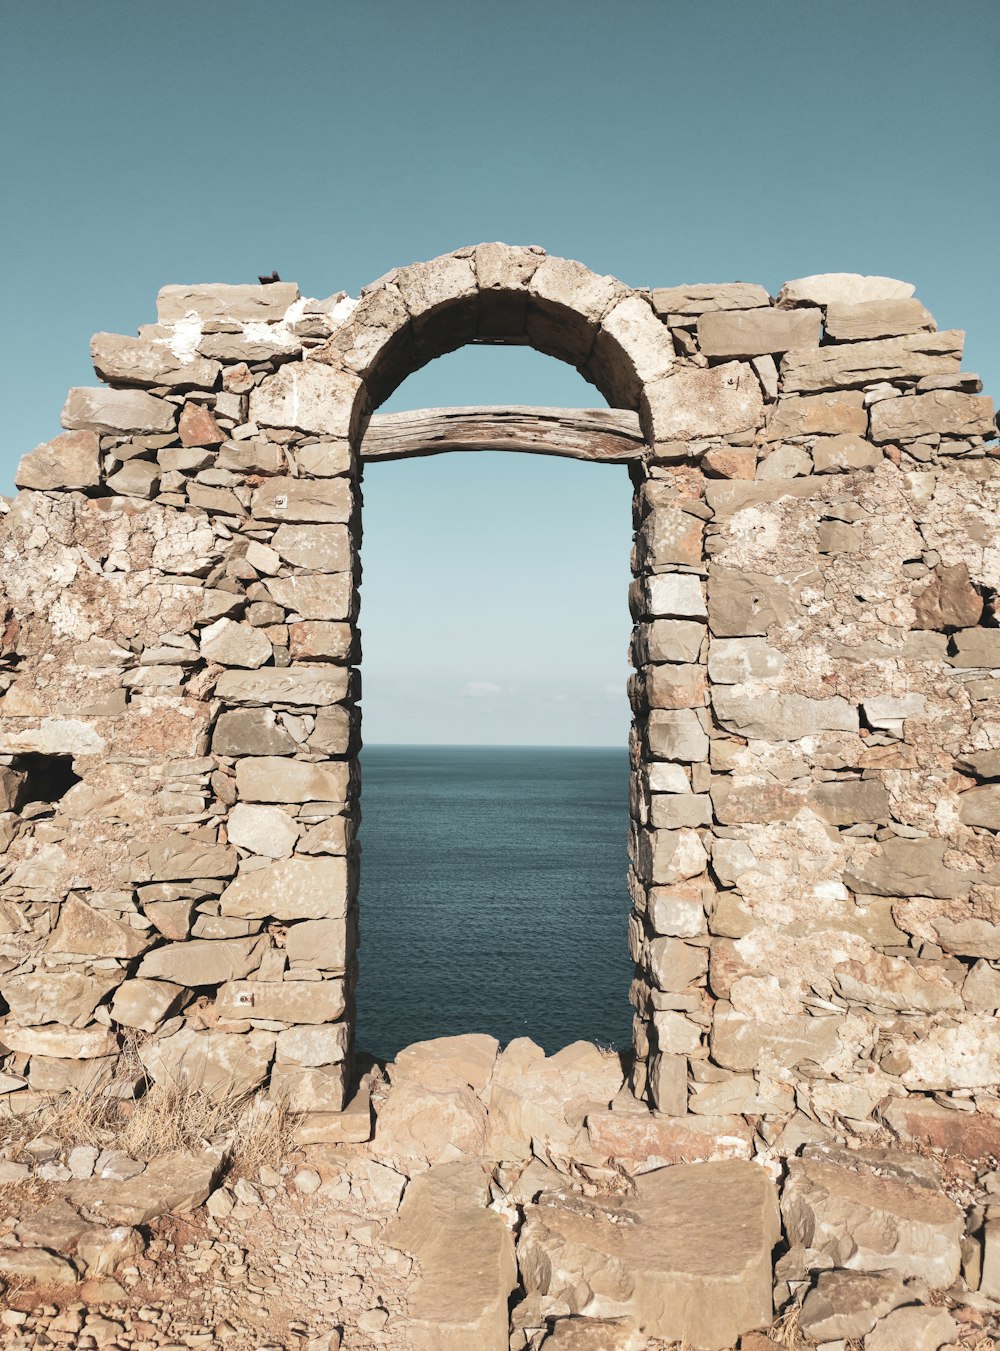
<point>814,800</point>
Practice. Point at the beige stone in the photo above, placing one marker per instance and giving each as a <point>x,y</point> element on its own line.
<point>292,685</point>
<point>644,1141</point>
<point>269,831</point>
<point>203,961</point>
<point>233,644</point>
<point>309,1089</point>
<point>313,1045</point>
<point>842,288</point>
<point>643,1257</point>
<point>742,1042</point>
<point>902,867</point>
<point>703,299</point>
<point>916,1328</point>
<point>976,647</point>
<point>464,1255</point>
<point>418,1126</point>
<point>943,411</point>
<point>178,1181</point>
<point>327,597</point>
<point>316,640</point>
<point>310,397</point>
<point>675,593</point>
<point>66,1043</point>
<point>217,302</point>
<point>857,321</point>
<point>864,363</point>
<point>689,403</point>
<point>833,454</point>
<point>51,997</point>
<point>754,332</point>
<point>307,500</point>
<point>849,1303</point>
<point>781,717</point>
<point>448,1062</point>
<point>94,933</point>
<point>325,548</point>
<point>117,411</point>
<point>286,1001</point>
<point>677,734</point>
<point>593,1334</point>
<point>144,361</point>
<point>290,889</point>
<point>841,413</point>
<point>278,779</point>
<point>864,1221</point>
<point>219,1064</point>
<point>71,460</point>
<point>145,1004</point>
<point>320,943</point>
<point>35,1266</point>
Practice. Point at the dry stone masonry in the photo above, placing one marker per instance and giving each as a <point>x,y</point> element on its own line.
<point>815,793</point>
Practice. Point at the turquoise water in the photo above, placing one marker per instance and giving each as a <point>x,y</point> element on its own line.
<point>493,895</point>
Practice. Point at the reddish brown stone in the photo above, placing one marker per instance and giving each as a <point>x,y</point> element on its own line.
<point>644,1136</point>
<point>730,462</point>
<point>198,427</point>
<point>970,1135</point>
<point>948,601</point>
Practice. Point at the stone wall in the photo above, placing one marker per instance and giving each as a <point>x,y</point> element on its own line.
<point>816,747</point>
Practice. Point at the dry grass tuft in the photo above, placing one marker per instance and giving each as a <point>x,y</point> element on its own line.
<point>253,1130</point>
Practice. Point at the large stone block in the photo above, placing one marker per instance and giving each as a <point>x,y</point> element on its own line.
<point>864,363</point>
<point>692,403</point>
<point>217,302</point>
<point>325,548</point>
<point>690,301</point>
<point>277,779</point>
<point>291,685</point>
<point>842,288</point>
<point>295,888</point>
<point>294,499</point>
<point>329,596</point>
<point>219,1064</point>
<point>644,1258</point>
<point>72,460</point>
<point>203,961</point>
<point>145,361</point>
<point>750,333</point>
<point>117,411</point>
<point>865,319</point>
<point>862,1220</point>
<point>251,731</point>
<point>901,867</point>
<point>285,1001</point>
<point>781,717</point>
<point>835,414</point>
<point>943,411</point>
<point>677,734</point>
<point>465,1259</point>
<point>310,397</point>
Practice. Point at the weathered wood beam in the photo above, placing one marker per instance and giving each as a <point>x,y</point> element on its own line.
<point>604,435</point>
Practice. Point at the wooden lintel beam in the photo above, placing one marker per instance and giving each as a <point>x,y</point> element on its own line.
<point>604,435</point>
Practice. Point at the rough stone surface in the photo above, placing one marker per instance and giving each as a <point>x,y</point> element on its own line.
<point>643,1257</point>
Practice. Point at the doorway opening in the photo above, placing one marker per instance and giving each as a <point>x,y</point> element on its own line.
<point>495,766</point>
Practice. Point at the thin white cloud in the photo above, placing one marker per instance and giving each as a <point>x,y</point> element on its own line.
<point>480,689</point>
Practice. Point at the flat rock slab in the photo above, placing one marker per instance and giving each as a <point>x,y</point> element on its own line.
<point>687,1257</point>
<point>178,1181</point>
<point>863,1220</point>
<point>465,1253</point>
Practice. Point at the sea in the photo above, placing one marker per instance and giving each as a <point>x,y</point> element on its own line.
<point>493,895</point>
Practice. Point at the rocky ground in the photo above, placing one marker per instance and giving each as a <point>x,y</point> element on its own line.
<point>476,1201</point>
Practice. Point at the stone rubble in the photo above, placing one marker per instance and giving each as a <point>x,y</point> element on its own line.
<point>535,1233</point>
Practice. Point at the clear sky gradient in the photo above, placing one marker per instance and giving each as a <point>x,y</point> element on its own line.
<point>663,142</point>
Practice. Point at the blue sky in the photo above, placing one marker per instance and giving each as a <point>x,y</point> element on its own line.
<point>662,142</point>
